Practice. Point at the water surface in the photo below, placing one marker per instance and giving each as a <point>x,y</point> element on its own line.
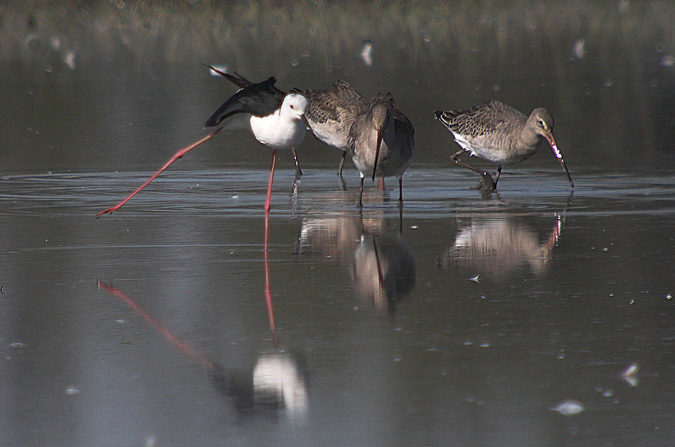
<point>536,316</point>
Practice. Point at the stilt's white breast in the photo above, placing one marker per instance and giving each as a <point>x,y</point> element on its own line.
<point>285,128</point>
<point>278,132</point>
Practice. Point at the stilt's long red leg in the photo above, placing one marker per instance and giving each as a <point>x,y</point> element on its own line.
<point>269,183</point>
<point>268,289</point>
<point>175,157</point>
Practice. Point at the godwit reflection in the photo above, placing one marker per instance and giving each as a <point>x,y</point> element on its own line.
<point>497,246</point>
<point>380,264</point>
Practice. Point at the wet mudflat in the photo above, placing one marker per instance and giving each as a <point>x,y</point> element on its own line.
<point>535,316</point>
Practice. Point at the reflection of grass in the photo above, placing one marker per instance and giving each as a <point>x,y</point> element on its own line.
<point>196,30</point>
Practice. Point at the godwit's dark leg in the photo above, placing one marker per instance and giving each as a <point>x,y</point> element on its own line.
<point>499,173</point>
<point>486,182</point>
<point>342,163</point>
<point>400,192</point>
<point>270,181</point>
<point>361,193</point>
<point>298,171</point>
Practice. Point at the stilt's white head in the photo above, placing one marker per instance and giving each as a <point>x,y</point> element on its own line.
<point>294,106</point>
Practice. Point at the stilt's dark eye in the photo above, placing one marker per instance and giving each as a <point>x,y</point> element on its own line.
<point>292,106</point>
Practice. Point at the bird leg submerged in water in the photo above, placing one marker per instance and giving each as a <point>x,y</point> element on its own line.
<point>486,182</point>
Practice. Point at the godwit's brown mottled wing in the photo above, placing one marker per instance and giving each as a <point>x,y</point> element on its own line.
<point>332,112</point>
<point>500,134</point>
<point>481,120</point>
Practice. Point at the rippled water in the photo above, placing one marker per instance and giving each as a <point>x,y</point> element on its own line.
<point>481,316</point>
<point>536,316</point>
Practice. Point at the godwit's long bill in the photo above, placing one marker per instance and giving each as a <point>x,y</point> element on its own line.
<point>500,134</point>
<point>332,112</point>
<point>276,120</point>
<point>382,142</point>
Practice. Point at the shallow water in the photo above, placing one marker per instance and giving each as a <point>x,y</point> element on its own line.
<point>536,316</point>
<point>490,313</point>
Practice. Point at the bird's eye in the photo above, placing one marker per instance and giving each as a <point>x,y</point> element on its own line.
<point>292,106</point>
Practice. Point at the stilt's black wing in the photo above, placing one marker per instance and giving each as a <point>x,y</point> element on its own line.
<point>259,99</point>
<point>235,78</point>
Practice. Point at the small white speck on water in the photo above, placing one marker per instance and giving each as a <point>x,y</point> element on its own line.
<point>414,227</point>
<point>569,407</point>
<point>578,50</point>
<point>150,441</point>
<point>629,375</point>
<point>71,391</point>
<point>17,345</point>
<point>235,197</point>
<point>475,278</point>
<point>606,392</point>
<point>668,60</point>
<point>669,296</point>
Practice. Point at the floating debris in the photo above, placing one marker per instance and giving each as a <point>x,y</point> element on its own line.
<point>55,43</point>
<point>367,53</point>
<point>668,61</point>
<point>569,407</point>
<point>71,391</point>
<point>69,59</point>
<point>606,392</point>
<point>17,345</point>
<point>629,375</point>
<point>475,278</point>
<point>578,50</point>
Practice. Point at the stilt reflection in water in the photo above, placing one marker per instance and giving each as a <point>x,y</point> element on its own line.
<point>276,386</point>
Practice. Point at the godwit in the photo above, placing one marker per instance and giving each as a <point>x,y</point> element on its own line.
<point>382,142</point>
<point>501,134</point>
<point>332,112</point>
<point>276,120</point>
